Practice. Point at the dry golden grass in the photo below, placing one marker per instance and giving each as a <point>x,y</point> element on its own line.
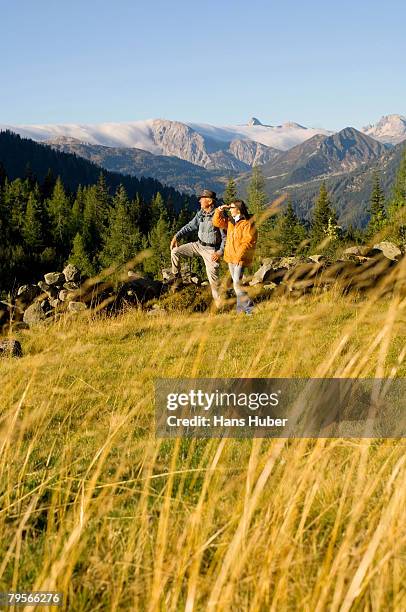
<point>93,505</point>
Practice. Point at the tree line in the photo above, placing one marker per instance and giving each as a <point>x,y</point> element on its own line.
<point>282,232</point>
<point>43,225</point>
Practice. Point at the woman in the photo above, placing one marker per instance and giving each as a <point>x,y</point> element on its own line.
<point>240,246</point>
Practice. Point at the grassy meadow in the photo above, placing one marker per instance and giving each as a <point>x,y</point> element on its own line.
<point>93,505</point>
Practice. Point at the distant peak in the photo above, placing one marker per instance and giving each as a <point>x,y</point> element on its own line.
<point>254,121</point>
<point>292,124</point>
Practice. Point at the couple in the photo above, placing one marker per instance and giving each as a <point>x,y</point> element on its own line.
<point>226,229</point>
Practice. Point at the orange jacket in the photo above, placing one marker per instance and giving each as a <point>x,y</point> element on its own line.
<point>241,238</point>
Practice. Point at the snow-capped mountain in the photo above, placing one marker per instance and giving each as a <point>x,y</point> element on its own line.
<point>229,147</point>
<point>282,137</point>
<point>390,129</point>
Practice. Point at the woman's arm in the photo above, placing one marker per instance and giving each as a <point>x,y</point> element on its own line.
<point>219,219</point>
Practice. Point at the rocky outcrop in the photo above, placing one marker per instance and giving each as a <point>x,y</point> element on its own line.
<point>360,269</point>
<point>65,291</point>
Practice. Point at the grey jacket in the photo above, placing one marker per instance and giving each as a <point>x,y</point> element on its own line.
<point>202,222</point>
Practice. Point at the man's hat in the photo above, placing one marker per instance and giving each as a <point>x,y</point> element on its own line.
<point>206,193</point>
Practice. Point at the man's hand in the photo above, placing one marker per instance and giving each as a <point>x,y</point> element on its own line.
<point>174,243</point>
<point>216,256</point>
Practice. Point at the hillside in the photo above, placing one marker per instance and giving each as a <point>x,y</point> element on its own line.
<point>90,498</point>
<point>350,191</point>
<point>19,154</point>
<point>345,160</point>
<point>169,170</point>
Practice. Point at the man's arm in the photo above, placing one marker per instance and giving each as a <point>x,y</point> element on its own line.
<point>190,227</point>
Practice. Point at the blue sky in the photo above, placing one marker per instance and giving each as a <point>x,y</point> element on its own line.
<point>320,63</point>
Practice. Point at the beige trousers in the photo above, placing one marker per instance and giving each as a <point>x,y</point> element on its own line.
<point>212,267</point>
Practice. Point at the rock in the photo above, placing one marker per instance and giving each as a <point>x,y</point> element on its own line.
<point>51,291</point>
<point>317,258</point>
<point>354,250</point>
<point>54,278</point>
<point>55,303</point>
<point>261,274</point>
<point>71,274</point>
<point>167,274</point>
<point>10,348</point>
<point>289,262</point>
<point>28,293</point>
<point>34,314</point>
<point>76,306</point>
<point>71,286</point>
<point>64,295</point>
<point>388,250</point>
<point>157,312</point>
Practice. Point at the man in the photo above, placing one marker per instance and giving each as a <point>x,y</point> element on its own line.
<point>209,244</point>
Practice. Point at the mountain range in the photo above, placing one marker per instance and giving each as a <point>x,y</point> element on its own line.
<point>190,156</point>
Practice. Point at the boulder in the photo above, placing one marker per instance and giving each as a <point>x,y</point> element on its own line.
<point>64,295</point>
<point>10,348</point>
<point>28,293</point>
<point>388,250</point>
<point>262,273</point>
<point>71,274</point>
<point>76,306</point>
<point>51,291</point>
<point>71,286</point>
<point>34,314</point>
<point>355,251</point>
<point>54,278</point>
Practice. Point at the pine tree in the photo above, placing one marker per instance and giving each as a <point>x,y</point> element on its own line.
<point>122,240</point>
<point>324,218</point>
<point>158,241</point>
<point>290,232</point>
<point>16,195</point>
<point>157,209</point>
<point>59,211</point>
<point>257,205</point>
<point>230,193</point>
<point>257,198</point>
<point>90,227</point>
<point>102,205</point>
<point>77,211</point>
<point>48,185</point>
<point>378,217</point>
<point>33,222</point>
<point>80,258</point>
